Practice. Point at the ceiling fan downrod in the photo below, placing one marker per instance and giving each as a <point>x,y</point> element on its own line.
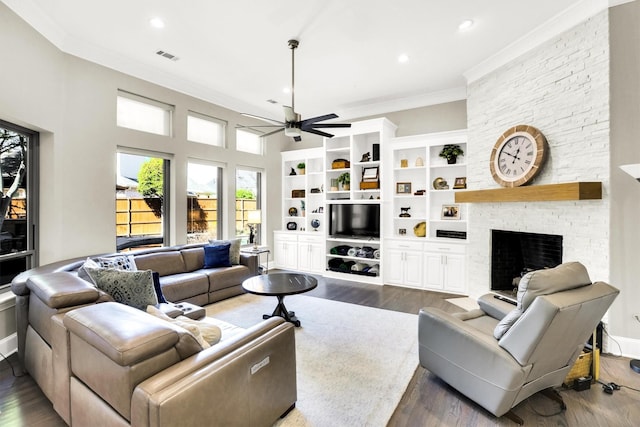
<point>293,45</point>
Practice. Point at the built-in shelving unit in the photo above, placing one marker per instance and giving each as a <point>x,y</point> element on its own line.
<point>422,195</point>
<point>355,150</point>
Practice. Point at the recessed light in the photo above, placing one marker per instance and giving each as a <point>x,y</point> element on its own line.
<point>156,22</point>
<point>286,90</point>
<point>403,58</point>
<point>465,25</point>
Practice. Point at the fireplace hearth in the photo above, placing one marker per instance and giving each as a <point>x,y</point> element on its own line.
<point>515,253</point>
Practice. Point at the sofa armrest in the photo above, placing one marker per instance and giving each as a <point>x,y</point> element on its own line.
<point>251,261</point>
<point>252,376</point>
<point>62,289</point>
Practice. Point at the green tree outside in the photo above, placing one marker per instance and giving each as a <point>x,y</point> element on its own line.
<point>150,178</point>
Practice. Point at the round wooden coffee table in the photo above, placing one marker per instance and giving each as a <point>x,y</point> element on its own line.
<point>280,285</point>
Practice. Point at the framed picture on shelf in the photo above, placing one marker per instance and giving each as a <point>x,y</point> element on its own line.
<point>403,188</point>
<point>370,174</point>
<point>450,211</point>
<point>460,183</point>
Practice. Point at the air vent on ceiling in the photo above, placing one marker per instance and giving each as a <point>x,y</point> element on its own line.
<point>167,55</point>
<point>272,101</point>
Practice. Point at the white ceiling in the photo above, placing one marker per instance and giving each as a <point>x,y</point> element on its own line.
<point>235,53</point>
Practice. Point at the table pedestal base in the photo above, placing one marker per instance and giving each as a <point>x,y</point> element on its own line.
<point>281,310</point>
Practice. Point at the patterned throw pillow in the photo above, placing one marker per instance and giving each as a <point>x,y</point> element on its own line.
<point>234,249</point>
<point>121,262</point>
<point>133,288</point>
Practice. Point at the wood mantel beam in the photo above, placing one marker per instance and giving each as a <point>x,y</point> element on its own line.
<point>533,193</point>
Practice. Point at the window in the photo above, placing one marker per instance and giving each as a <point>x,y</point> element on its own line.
<point>248,198</point>
<point>141,200</point>
<point>205,129</point>
<point>204,207</point>
<point>140,113</point>
<point>18,200</point>
<point>248,142</point>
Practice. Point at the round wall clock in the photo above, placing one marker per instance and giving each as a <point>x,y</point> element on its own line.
<point>518,155</point>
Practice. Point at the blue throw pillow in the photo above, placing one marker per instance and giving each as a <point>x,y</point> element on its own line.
<point>157,287</point>
<point>217,256</point>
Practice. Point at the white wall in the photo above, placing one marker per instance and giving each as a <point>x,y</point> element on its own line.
<point>72,102</point>
<point>562,88</point>
<point>625,191</point>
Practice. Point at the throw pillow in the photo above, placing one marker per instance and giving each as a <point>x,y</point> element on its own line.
<point>217,256</point>
<point>157,287</point>
<point>121,262</point>
<point>209,333</point>
<point>133,288</point>
<point>234,249</point>
<point>82,271</point>
<point>193,329</point>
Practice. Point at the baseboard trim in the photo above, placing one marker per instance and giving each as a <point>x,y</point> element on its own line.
<point>9,345</point>
<point>629,347</point>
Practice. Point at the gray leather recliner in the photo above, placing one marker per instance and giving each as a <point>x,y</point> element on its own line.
<point>498,358</point>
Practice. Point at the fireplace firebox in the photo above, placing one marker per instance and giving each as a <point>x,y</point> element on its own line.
<point>515,253</point>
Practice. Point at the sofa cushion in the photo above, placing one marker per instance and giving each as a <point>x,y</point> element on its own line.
<point>217,256</point>
<point>507,321</point>
<point>234,249</point>
<point>179,287</point>
<point>62,289</point>
<point>133,288</point>
<point>165,263</point>
<point>221,278</point>
<point>193,258</point>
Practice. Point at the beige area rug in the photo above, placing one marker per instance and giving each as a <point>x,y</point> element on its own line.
<point>464,302</point>
<point>353,362</point>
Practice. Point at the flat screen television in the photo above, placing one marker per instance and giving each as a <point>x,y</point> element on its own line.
<point>354,220</point>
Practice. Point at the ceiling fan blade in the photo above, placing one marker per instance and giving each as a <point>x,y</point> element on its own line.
<point>318,132</point>
<point>273,132</point>
<point>326,125</point>
<point>319,118</point>
<point>257,126</point>
<point>264,119</point>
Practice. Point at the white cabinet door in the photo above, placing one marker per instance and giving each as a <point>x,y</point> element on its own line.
<point>433,271</point>
<point>412,268</point>
<point>311,254</point>
<point>286,251</point>
<point>454,273</point>
<point>393,271</point>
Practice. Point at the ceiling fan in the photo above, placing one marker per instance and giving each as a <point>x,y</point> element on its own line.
<point>293,125</point>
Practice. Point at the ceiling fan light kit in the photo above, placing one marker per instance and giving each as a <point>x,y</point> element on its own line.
<point>293,125</point>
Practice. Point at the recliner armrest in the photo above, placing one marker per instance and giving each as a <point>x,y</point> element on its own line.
<point>495,307</point>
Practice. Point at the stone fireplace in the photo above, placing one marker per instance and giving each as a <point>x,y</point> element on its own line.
<point>514,253</point>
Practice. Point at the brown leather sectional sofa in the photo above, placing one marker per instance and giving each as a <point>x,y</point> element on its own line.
<point>110,364</point>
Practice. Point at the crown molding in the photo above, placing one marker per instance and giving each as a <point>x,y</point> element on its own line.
<point>565,20</point>
<point>382,106</point>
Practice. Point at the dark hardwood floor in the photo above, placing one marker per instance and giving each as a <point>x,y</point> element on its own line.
<point>428,401</point>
